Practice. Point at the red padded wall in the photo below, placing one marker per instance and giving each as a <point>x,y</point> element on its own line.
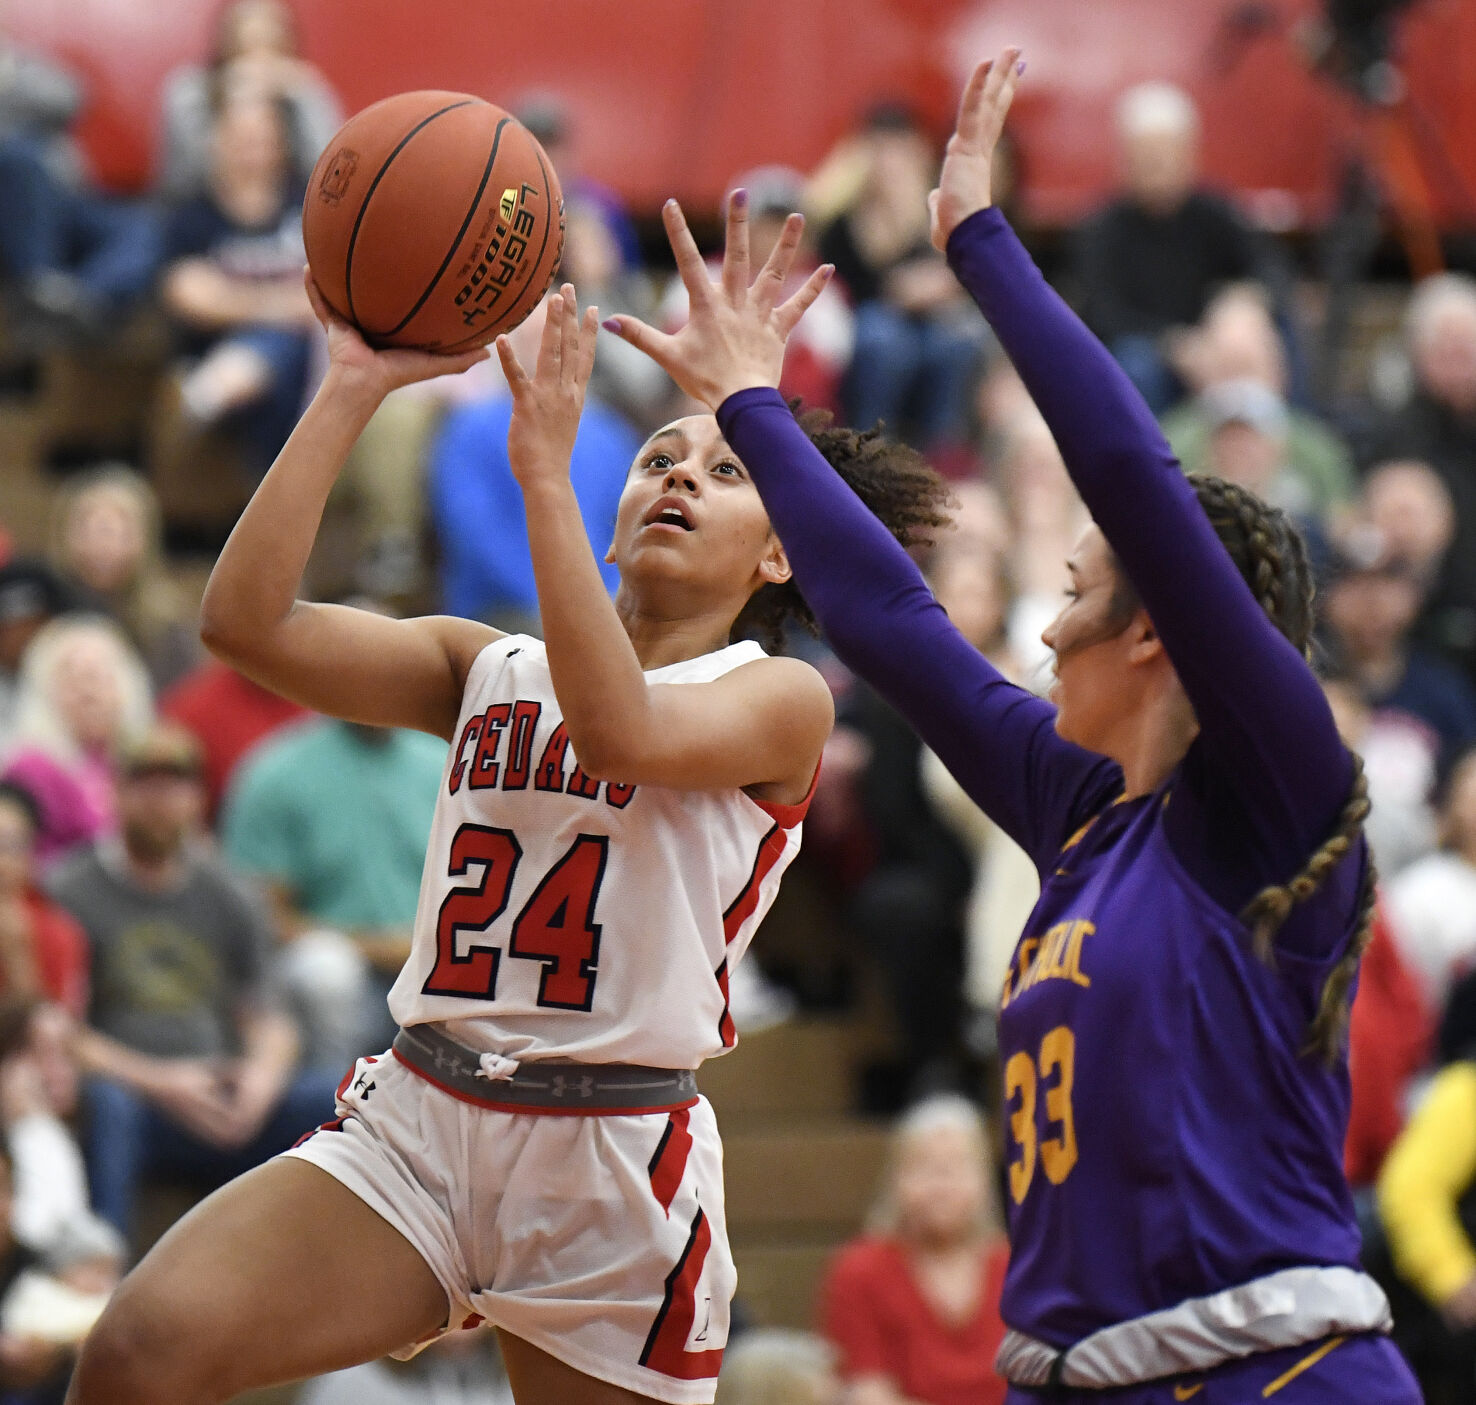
<point>677,96</point>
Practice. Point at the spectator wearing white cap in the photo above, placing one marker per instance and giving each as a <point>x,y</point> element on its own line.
<point>1237,339</point>
<point>1248,429</point>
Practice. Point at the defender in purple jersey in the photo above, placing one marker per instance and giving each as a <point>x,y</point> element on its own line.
<point>1172,1026</point>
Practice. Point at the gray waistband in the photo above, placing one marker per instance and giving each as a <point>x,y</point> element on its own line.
<point>593,1088</point>
<point>1289,1308</point>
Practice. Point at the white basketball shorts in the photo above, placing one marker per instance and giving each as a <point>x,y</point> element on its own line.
<point>599,1239</point>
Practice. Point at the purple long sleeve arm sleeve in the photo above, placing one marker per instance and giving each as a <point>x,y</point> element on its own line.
<point>1267,740</point>
<point>998,740</point>
<point>1268,774</point>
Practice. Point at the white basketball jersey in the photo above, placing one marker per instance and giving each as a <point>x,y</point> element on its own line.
<point>563,917</point>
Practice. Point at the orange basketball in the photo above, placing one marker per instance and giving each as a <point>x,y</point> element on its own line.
<point>433,220</point>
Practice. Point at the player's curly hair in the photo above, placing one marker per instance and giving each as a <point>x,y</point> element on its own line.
<point>1271,556</point>
<point>898,485</point>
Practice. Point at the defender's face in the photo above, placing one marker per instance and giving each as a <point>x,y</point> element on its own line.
<point>690,511</point>
<point>1086,638</point>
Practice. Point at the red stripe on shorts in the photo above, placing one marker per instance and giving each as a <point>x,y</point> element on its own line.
<point>666,1346</point>
<point>669,1161</point>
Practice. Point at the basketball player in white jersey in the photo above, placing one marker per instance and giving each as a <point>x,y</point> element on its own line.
<point>617,807</point>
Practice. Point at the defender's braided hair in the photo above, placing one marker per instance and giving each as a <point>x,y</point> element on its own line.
<point>1271,556</point>
<point>893,480</point>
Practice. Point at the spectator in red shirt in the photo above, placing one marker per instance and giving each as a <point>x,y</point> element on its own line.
<point>227,714</point>
<point>912,1307</point>
<point>1390,1034</point>
<point>43,952</point>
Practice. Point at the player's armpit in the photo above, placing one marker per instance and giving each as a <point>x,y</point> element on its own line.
<point>761,727</point>
<point>365,667</point>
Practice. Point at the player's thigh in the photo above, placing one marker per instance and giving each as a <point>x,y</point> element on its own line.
<point>281,1274</point>
<point>540,1379</point>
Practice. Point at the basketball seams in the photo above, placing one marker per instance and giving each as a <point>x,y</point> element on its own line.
<point>348,267</point>
<point>548,224</point>
<point>460,235</point>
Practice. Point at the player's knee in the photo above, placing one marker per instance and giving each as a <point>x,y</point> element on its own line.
<point>141,1353</point>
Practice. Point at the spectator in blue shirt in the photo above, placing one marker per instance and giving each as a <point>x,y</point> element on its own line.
<point>486,572</point>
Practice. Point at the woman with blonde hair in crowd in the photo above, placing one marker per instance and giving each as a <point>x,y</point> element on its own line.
<point>83,690</point>
<point>912,1306</point>
<point>107,542</point>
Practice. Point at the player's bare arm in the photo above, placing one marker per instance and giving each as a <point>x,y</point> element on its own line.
<point>345,662</point>
<point>762,726</point>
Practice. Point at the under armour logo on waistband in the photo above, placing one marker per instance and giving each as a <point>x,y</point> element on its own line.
<point>564,1087</point>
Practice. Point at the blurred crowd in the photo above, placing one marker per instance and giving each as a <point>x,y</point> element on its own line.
<point>204,893</point>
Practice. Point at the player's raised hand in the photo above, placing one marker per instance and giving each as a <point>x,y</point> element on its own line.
<point>387,370</point>
<point>963,183</point>
<point>547,404</point>
<point>736,330</point>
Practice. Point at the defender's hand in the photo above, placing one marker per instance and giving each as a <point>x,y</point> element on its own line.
<point>737,330</point>
<point>963,183</point>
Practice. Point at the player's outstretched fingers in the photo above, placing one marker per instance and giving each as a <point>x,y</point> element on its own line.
<point>569,333</point>
<point>512,368</point>
<point>790,312</point>
<point>589,334</point>
<point>656,345</point>
<point>775,272</point>
<point>462,361</point>
<point>326,316</point>
<point>551,344</point>
<point>998,94</point>
<point>970,105</point>
<point>688,257</point>
<point>315,298</point>
<point>735,247</point>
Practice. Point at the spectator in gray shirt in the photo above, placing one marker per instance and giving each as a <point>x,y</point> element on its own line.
<point>255,50</point>
<point>193,1062</point>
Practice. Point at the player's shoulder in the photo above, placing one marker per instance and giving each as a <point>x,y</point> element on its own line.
<point>787,681</point>
<point>482,659</point>
<point>463,641</point>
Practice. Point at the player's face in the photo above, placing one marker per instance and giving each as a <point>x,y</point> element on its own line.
<point>1087,640</point>
<point>690,513</point>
